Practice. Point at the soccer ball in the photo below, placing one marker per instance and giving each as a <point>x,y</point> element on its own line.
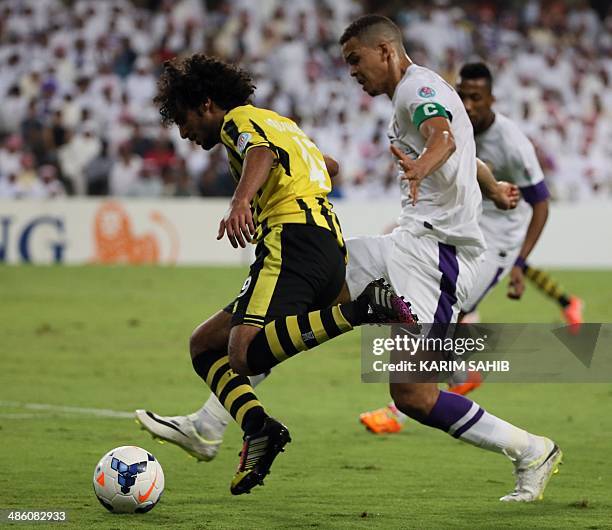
<point>128,479</point>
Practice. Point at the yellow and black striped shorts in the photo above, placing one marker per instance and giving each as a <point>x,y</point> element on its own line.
<point>297,268</point>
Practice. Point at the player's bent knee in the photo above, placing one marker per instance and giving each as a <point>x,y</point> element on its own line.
<point>201,340</point>
<point>239,341</point>
<point>415,399</point>
<point>213,334</point>
<point>238,363</point>
<point>344,296</point>
<point>237,352</point>
<point>196,344</point>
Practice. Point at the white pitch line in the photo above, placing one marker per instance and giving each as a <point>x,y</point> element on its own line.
<point>22,416</point>
<point>65,409</point>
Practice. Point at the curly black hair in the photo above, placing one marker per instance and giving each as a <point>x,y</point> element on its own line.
<point>186,83</point>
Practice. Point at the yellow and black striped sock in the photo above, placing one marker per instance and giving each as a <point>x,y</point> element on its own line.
<point>284,337</point>
<point>546,284</point>
<point>234,391</point>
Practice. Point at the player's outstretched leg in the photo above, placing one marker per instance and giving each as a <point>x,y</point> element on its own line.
<point>535,458</point>
<point>255,350</point>
<point>389,419</point>
<point>264,437</point>
<point>285,337</point>
<point>183,430</point>
<point>200,433</point>
<point>571,306</point>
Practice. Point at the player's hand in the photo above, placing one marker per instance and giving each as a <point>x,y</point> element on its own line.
<point>238,224</point>
<point>412,172</point>
<point>507,195</point>
<point>517,283</point>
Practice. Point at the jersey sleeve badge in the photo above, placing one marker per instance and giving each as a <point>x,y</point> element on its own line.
<point>243,141</point>
<point>426,92</point>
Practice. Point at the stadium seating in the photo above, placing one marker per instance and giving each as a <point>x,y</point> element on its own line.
<point>76,113</point>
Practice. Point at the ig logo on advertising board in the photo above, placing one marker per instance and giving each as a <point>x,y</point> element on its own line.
<point>40,239</point>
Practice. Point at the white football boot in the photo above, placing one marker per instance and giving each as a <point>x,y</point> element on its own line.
<point>182,431</point>
<point>532,476</point>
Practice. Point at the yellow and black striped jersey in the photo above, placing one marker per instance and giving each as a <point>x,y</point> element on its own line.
<point>297,187</point>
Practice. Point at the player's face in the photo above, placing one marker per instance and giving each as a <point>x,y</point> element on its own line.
<point>200,127</point>
<point>366,65</point>
<point>477,100</point>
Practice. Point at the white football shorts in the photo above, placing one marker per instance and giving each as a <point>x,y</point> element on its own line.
<point>496,266</point>
<point>434,277</point>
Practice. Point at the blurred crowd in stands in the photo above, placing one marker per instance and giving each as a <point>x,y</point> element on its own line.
<point>78,79</point>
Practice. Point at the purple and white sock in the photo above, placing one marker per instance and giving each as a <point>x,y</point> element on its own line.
<point>466,420</point>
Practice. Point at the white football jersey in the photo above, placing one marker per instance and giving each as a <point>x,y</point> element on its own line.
<point>511,157</point>
<point>449,200</point>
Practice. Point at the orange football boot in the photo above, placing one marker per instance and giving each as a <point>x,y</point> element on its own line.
<point>573,313</point>
<point>381,421</point>
<point>473,381</point>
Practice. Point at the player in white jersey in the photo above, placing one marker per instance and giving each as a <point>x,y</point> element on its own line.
<point>432,258</point>
<point>434,253</point>
<point>507,151</point>
<point>510,235</point>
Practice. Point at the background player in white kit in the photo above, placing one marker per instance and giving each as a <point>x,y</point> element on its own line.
<point>432,258</point>
<point>510,235</point>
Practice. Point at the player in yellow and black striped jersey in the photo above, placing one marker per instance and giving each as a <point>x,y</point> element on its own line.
<point>288,302</point>
<point>294,193</point>
<point>297,186</point>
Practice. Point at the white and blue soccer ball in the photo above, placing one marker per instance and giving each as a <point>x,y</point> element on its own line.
<point>128,479</point>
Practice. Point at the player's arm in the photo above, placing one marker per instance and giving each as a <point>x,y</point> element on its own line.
<point>238,221</point>
<point>503,194</point>
<point>539,216</point>
<point>534,191</point>
<point>331,165</point>
<point>439,146</point>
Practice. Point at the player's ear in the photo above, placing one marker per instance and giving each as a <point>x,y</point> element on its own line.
<point>206,106</point>
<point>385,50</point>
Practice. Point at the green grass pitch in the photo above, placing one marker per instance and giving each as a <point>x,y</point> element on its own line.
<point>116,338</point>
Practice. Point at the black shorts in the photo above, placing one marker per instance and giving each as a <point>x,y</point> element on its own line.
<point>297,268</point>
